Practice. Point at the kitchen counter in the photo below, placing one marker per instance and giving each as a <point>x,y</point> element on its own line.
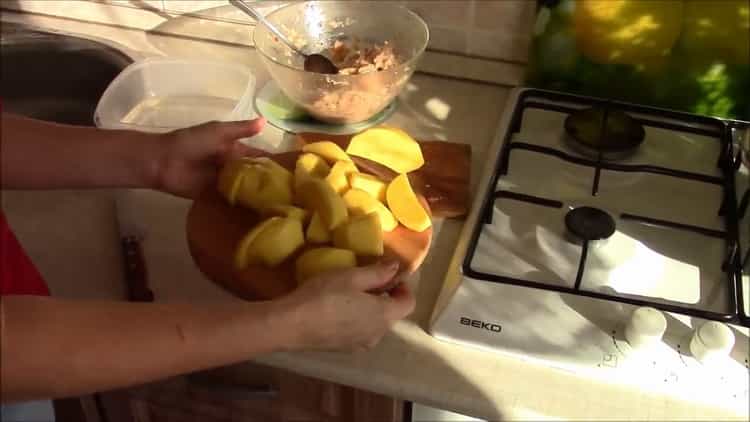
<point>72,237</point>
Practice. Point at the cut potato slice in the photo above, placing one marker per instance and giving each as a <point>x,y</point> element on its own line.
<point>328,150</point>
<point>261,187</point>
<point>389,147</point>
<point>275,167</point>
<point>320,260</point>
<point>276,242</point>
<point>405,205</point>
<point>241,256</point>
<point>317,196</point>
<point>287,211</point>
<point>338,177</point>
<point>309,165</point>
<point>370,184</point>
<point>360,202</point>
<point>361,234</point>
<point>230,177</point>
<point>316,231</point>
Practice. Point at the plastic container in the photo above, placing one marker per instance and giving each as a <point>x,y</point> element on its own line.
<point>160,95</point>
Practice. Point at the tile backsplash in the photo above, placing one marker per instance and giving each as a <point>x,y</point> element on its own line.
<point>492,29</point>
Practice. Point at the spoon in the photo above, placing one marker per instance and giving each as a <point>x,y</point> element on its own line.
<point>317,63</point>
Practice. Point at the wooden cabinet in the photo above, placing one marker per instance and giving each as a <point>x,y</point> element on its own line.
<point>271,396</point>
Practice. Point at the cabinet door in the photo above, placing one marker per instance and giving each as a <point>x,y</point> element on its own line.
<point>275,396</point>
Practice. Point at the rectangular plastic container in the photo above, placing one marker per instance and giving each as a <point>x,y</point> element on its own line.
<point>160,95</point>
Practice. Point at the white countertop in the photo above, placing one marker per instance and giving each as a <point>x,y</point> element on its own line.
<point>79,258</point>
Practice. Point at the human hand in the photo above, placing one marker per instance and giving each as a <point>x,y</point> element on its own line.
<point>335,311</point>
<point>191,158</point>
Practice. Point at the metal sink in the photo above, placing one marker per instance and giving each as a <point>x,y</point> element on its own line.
<point>55,77</point>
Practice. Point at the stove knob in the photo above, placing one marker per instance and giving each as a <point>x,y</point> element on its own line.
<point>711,341</point>
<point>645,327</point>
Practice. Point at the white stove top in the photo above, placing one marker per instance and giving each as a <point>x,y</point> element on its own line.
<point>524,237</point>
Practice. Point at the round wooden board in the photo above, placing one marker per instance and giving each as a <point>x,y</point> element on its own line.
<point>214,228</point>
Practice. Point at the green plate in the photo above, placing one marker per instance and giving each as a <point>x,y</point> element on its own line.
<point>281,112</point>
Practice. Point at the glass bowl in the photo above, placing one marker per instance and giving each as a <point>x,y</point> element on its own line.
<point>314,26</point>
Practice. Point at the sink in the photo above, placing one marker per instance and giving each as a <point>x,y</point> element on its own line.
<point>53,76</point>
<point>70,235</point>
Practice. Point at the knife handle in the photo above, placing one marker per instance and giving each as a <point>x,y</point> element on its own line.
<point>136,277</point>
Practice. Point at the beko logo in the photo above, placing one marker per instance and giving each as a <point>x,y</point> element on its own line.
<point>480,324</point>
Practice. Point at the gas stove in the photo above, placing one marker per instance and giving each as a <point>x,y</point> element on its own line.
<point>605,241</point>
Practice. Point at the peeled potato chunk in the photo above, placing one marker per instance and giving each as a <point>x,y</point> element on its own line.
<point>262,187</point>
<point>370,184</point>
<point>320,260</point>
<point>338,177</point>
<point>272,165</point>
<point>287,211</point>
<point>405,205</point>
<point>361,234</point>
<point>241,256</point>
<point>316,231</point>
<point>328,150</point>
<point>309,165</point>
<point>390,147</point>
<point>360,202</point>
<point>230,177</point>
<point>318,196</point>
<point>278,240</point>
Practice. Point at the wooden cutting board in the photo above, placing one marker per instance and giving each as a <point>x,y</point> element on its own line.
<point>444,180</point>
<point>214,228</point>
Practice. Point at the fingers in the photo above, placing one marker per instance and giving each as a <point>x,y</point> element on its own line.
<point>399,303</point>
<point>373,276</point>
<point>239,150</point>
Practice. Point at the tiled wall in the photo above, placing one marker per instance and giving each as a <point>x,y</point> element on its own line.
<point>494,29</point>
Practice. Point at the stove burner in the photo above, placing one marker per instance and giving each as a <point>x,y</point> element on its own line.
<point>621,135</point>
<point>589,223</point>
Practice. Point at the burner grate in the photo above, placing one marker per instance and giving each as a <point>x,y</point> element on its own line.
<point>648,117</point>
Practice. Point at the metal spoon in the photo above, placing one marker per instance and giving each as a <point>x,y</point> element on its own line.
<point>317,63</point>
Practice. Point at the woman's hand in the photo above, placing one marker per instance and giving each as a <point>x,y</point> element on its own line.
<point>335,312</point>
<point>191,157</point>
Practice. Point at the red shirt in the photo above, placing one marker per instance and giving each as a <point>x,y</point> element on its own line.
<point>18,275</point>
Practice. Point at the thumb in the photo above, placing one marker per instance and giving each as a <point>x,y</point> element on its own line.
<point>230,131</point>
<point>373,276</point>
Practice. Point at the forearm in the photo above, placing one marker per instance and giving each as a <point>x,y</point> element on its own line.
<point>56,348</point>
<point>43,155</point>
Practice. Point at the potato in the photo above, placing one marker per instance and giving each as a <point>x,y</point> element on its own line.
<point>309,165</point>
<point>390,147</point>
<point>262,187</point>
<point>316,231</point>
<point>286,211</point>
<point>370,184</point>
<point>241,256</point>
<point>230,177</point>
<point>318,196</point>
<point>361,234</point>
<point>275,167</point>
<point>405,205</point>
<point>278,240</point>
<point>360,202</point>
<point>320,260</point>
<point>338,177</point>
<point>328,150</point>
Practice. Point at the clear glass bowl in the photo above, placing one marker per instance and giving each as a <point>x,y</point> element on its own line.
<point>314,26</point>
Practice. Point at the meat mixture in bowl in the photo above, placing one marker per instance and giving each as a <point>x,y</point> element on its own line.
<point>367,94</point>
<point>352,59</point>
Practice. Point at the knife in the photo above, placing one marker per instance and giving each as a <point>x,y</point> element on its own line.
<point>131,240</point>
